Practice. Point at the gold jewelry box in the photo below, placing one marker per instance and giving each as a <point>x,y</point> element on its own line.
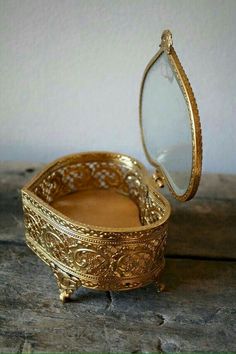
<point>98,218</point>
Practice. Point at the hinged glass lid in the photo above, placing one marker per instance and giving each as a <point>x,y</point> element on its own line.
<point>169,121</point>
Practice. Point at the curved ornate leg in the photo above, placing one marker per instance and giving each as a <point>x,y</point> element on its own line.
<point>67,283</point>
<point>159,286</point>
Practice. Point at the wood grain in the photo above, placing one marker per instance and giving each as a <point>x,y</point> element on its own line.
<point>197,312</point>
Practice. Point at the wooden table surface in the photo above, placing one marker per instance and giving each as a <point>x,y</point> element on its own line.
<point>196,312</point>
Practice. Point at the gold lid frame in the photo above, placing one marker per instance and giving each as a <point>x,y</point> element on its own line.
<point>167,47</point>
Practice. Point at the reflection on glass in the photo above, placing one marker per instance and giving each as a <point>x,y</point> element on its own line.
<point>166,124</point>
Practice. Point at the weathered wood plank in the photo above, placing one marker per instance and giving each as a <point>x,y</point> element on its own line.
<point>203,228</point>
<point>196,312</point>
<point>217,186</point>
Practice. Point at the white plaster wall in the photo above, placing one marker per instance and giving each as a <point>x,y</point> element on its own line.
<point>70,73</point>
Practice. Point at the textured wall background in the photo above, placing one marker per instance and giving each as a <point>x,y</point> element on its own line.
<point>71,70</point>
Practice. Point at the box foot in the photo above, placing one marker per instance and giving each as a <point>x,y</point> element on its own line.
<point>159,286</point>
<point>67,283</point>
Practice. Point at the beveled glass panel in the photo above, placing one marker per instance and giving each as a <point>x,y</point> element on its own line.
<point>166,124</point>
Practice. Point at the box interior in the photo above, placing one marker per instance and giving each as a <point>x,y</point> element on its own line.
<point>101,207</point>
<point>104,190</point>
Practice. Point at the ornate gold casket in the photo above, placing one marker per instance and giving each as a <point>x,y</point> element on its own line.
<point>98,218</point>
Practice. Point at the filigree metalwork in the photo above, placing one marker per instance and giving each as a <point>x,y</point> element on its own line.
<point>96,257</point>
